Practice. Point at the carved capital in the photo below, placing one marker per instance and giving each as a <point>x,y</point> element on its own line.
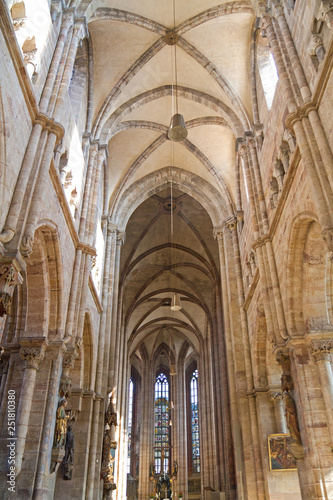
<point>112,228</point>
<point>80,29</point>
<point>242,150</point>
<point>321,349</point>
<point>121,237</point>
<point>266,22</point>
<point>327,236</point>
<point>231,223</point>
<point>325,12</point>
<point>316,41</point>
<point>33,354</point>
<point>218,233</point>
<point>277,9</point>
<point>276,397</point>
<point>67,19</point>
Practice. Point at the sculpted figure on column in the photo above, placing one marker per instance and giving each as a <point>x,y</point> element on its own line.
<point>61,425</point>
<point>69,454</point>
<point>290,407</point>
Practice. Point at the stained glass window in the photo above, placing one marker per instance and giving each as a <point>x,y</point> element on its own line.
<point>162,428</point>
<point>130,420</point>
<point>195,422</point>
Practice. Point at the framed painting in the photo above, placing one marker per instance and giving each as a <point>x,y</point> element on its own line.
<point>279,456</point>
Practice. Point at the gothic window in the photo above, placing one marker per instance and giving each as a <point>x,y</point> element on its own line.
<point>130,422</point>
<point>162,427</point>
<point>195,422</point>
<point>267,70</point>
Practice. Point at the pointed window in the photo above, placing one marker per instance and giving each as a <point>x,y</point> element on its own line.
<point>162,427</point>
<point>267,70</point>
<point>130,422</point>
<point>195,422</point>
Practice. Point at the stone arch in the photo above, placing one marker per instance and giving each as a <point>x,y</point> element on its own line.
<point>42,301</point>
<point>109,119</point>
<point>189,183</point>
<point>309,299</point>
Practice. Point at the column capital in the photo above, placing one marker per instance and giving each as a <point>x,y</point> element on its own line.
<point>242,150</point>
<point>103,151</point>
<point>32,351</point>
<point>266,21</point>
<point>321,349</point>
<point>231,223</point>
<point>276,397</point>
<point>277,9</point>
<point>112,228</point>
<point>218,233</point>
<point>121,237</point>
<point>68,19</point>
<point>80,28</point>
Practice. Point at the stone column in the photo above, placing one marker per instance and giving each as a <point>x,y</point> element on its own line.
<point>32,351</point>
<point>277,400</point>
<point>80,260</point>
<point>231,224</point>
<point>231,365</point>
<point>147,430</point>
<point>179,414</point>
<point>94,465</point>
<point>116,340</point>
<point>321,351</point>
<point>43,465</point>
<point>79,32</point>
<point>67,21</point>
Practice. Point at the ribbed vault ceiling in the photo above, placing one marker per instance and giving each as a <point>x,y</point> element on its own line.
<point>133,100</point>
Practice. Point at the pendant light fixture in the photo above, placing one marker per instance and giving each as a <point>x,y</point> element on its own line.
<point>177,131</point>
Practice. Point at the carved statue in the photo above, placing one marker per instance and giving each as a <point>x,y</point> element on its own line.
<point>151,470</point>
<point>174,468</point>
<point>274,190</point>
<point>291,417</point>
<point>61,425</point>
<point>111,415</point>
<point>69,454</point>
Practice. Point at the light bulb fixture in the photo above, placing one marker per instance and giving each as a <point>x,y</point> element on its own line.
<point>175,302</point>
<point>177,131</point>
<point>173,370</point>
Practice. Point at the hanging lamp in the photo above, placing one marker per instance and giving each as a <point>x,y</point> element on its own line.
<point>177,131</point>
<point>176,305</point>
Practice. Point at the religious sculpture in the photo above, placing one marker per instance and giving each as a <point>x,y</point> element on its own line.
<point>174,468</point>
<point>61,425</point>
<point>291,417</point>
<point>69,454</point>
